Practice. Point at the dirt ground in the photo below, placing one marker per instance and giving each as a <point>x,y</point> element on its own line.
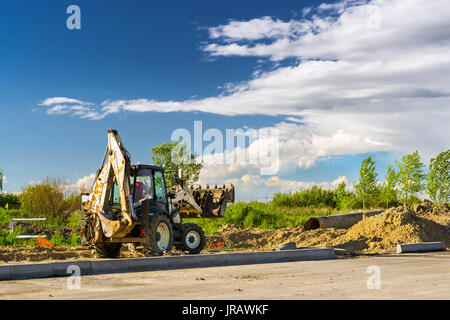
<point>378,234</point>
<point>405,276</point>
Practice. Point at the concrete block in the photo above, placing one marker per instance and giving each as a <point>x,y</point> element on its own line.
<point>233,259</point>
<point>109,266</point>
<point>420,247</point>
<point>28,271</point>
<point>145,264</point>
<point>5,273</point>
<point>193,261</point>
<point>287,246</point>
<point>60,268</point>
<point>41,270</point>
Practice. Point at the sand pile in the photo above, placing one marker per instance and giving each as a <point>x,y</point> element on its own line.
<point>234,237</point>
<point>377,234</point>
<point>9,254</point>
<point>422,223</point>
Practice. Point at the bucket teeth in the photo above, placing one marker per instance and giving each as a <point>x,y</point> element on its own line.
<point>211,199</point>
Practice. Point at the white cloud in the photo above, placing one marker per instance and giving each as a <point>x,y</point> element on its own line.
<point>254,29</point>
<point>354,89</point>
<point>58,100</point>
<point>83,184</point>
<point>251,186</point>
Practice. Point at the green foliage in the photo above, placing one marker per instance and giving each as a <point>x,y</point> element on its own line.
<point>367,186</point>
<point>410,176</point>
<point>388,193</point>
<point>5,216</point>
<point>174,156</point>
<point>438,179</point>
<point>9,239</point>
<point>59,240</point>
<point>260,215</point>
<point>48,200</point>
<point>8,198</point>
<point>315,197</point>
<point>343,199</point>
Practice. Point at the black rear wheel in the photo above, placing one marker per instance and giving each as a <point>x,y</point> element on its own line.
<point>161,235</point>
<point>108,250</point>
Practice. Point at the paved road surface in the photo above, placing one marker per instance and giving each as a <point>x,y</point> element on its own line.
<point>408,276</point>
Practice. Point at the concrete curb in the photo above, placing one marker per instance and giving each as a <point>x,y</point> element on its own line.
<point>420,247</point>
<point>90,267</point>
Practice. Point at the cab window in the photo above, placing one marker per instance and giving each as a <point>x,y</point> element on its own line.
<point>143,186</point>
<point>114,196</point>
<point>160,187</point>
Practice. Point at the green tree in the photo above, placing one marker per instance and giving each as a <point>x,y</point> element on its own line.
<point>340,195</point>
<point>388,194</point>
<point>173,156</point>
<point>49,199</point>
<point>410,176</point>
<point>1,179</point>
<point>367,186</point>
<point>438,182</point>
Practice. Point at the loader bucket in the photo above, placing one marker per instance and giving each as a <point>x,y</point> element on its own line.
<point>212,200</point>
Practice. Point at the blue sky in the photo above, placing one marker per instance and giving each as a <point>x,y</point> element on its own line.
<point>185,55</point>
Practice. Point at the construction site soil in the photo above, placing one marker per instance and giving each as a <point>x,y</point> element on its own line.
<point>378,234</point>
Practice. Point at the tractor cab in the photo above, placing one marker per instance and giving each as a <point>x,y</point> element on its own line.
<point>147,182</point>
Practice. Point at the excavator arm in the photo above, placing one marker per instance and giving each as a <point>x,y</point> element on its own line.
<point>114,172</point>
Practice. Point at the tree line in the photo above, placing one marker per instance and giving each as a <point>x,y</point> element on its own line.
<point>403,182</point>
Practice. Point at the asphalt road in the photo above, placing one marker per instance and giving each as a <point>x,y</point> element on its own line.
<point>406,276</point>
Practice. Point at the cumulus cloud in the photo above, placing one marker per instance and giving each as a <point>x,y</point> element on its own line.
<point>83,184</point>
<point>58,100</point>
<point>369,76</point>
<point>253,187</point>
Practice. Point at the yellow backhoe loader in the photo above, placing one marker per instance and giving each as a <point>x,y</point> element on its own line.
<point>130,204</point>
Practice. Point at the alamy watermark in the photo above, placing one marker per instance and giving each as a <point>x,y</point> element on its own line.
<point>73,22</point>
<point>373,22</point>
<point>374,280</point>
<point>256,147</point>
<point>74,280</point>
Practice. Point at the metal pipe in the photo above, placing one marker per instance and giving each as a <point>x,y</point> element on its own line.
<point>338,221</point>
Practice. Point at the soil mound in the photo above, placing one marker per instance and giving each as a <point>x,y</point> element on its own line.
<point>423,222</point>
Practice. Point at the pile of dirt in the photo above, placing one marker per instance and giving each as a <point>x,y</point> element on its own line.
<point>10,254</point>
<point>234,237</point>
<point>424,222</point>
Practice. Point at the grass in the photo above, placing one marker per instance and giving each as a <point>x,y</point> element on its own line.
<point>262,215</point>
<point>244,214</point>
<point>58,240</point>
<point>7,239</point>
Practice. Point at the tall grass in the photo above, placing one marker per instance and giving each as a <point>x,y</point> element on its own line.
<point>261,215</point>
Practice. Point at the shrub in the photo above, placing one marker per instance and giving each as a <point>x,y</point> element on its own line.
<point>8,198</point>
<point>49,199</point>
<point>9,239</point>
<point>314,197</point>
<point>59,240</point>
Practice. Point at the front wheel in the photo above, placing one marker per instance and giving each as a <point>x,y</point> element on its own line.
<point>193,238</point>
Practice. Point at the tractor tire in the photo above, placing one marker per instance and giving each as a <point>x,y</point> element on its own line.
<point>193,238</point>
<point>108,250</point>
<point>161,235</point>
